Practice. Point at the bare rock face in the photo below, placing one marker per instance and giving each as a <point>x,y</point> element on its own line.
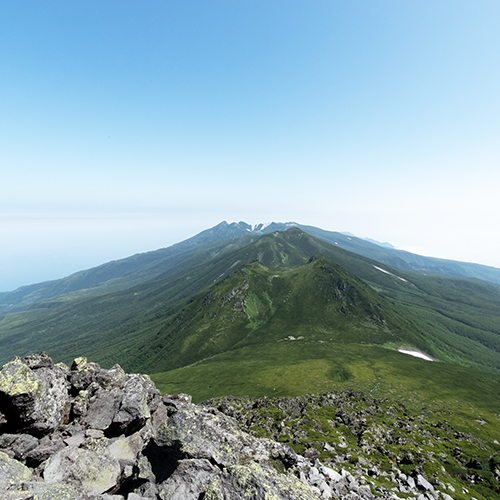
<point>88,433</point>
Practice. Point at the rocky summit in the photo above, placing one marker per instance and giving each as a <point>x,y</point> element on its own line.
<point>91,433</point>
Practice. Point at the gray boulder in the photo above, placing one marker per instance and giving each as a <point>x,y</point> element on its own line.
<point>46,447</point>
<point>189,480</point>
<point>255,481</point>
<point>18,446</point>
<point>34,394</point>
<point>12,473</point>
<point>86,470</point>
<point>102,409</point>
<point>139,399</point>
<point>197,432</point>
<point>121,404</point>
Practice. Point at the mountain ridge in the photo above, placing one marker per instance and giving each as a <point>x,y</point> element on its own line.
<point>455,319</point>
<point>138,268</point>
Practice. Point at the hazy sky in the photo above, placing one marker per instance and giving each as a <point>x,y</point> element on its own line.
<point>127,126</point>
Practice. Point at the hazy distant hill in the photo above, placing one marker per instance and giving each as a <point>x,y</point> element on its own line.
<point>120,274</point>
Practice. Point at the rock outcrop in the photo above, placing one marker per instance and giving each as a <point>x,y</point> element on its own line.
<point>89,433</point>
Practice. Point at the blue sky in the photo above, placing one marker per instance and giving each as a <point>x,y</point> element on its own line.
<point>127,126</point>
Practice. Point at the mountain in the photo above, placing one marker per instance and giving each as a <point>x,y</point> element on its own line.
<point>451,319</point>
<point>385,244</point>
<point>140,268</point>
<point>258,305</point>
<point>121,274</point>
<point>284,313</point>
<point>405,260</point>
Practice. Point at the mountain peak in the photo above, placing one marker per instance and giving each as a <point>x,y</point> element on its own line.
<point>264,227</point>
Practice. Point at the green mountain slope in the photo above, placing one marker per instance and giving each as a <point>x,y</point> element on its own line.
<point>318,301</point>
<point>124,273</point>
<point>454,320</point>
<point>405,260</point>
<point>140,268</point>
<point>76,323</point>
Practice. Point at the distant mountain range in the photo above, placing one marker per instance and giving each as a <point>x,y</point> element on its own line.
<point>139,268</point>
<point>128,304</point>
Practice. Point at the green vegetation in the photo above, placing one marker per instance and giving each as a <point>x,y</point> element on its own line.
<point>346,429</point>
<point>180,318</point>
<point>291,368</point>
<point>223,321</point>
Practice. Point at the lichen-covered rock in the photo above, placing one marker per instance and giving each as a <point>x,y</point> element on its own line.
<point>87,470</point>
<point>139,399</point>
<point>125,449</point>
<point>17,495</point>
<point>189,480</point>
<point>102,409</point>
<point>121,404</point>
<point>12,473</point>
<point>34,394</point>
<point>46,491</point>
<point>197,432</point>
<point>255,481</point>
<point>82,374</point>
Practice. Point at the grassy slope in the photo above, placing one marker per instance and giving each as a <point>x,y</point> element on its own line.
<point>457,318</point>
<point>291,368</point>
<point>317,301</point>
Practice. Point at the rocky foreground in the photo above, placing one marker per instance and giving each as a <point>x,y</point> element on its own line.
<point>89,433</point>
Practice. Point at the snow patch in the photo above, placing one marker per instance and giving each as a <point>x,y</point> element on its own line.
<point>415,353</point>
<point>387,272</point>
